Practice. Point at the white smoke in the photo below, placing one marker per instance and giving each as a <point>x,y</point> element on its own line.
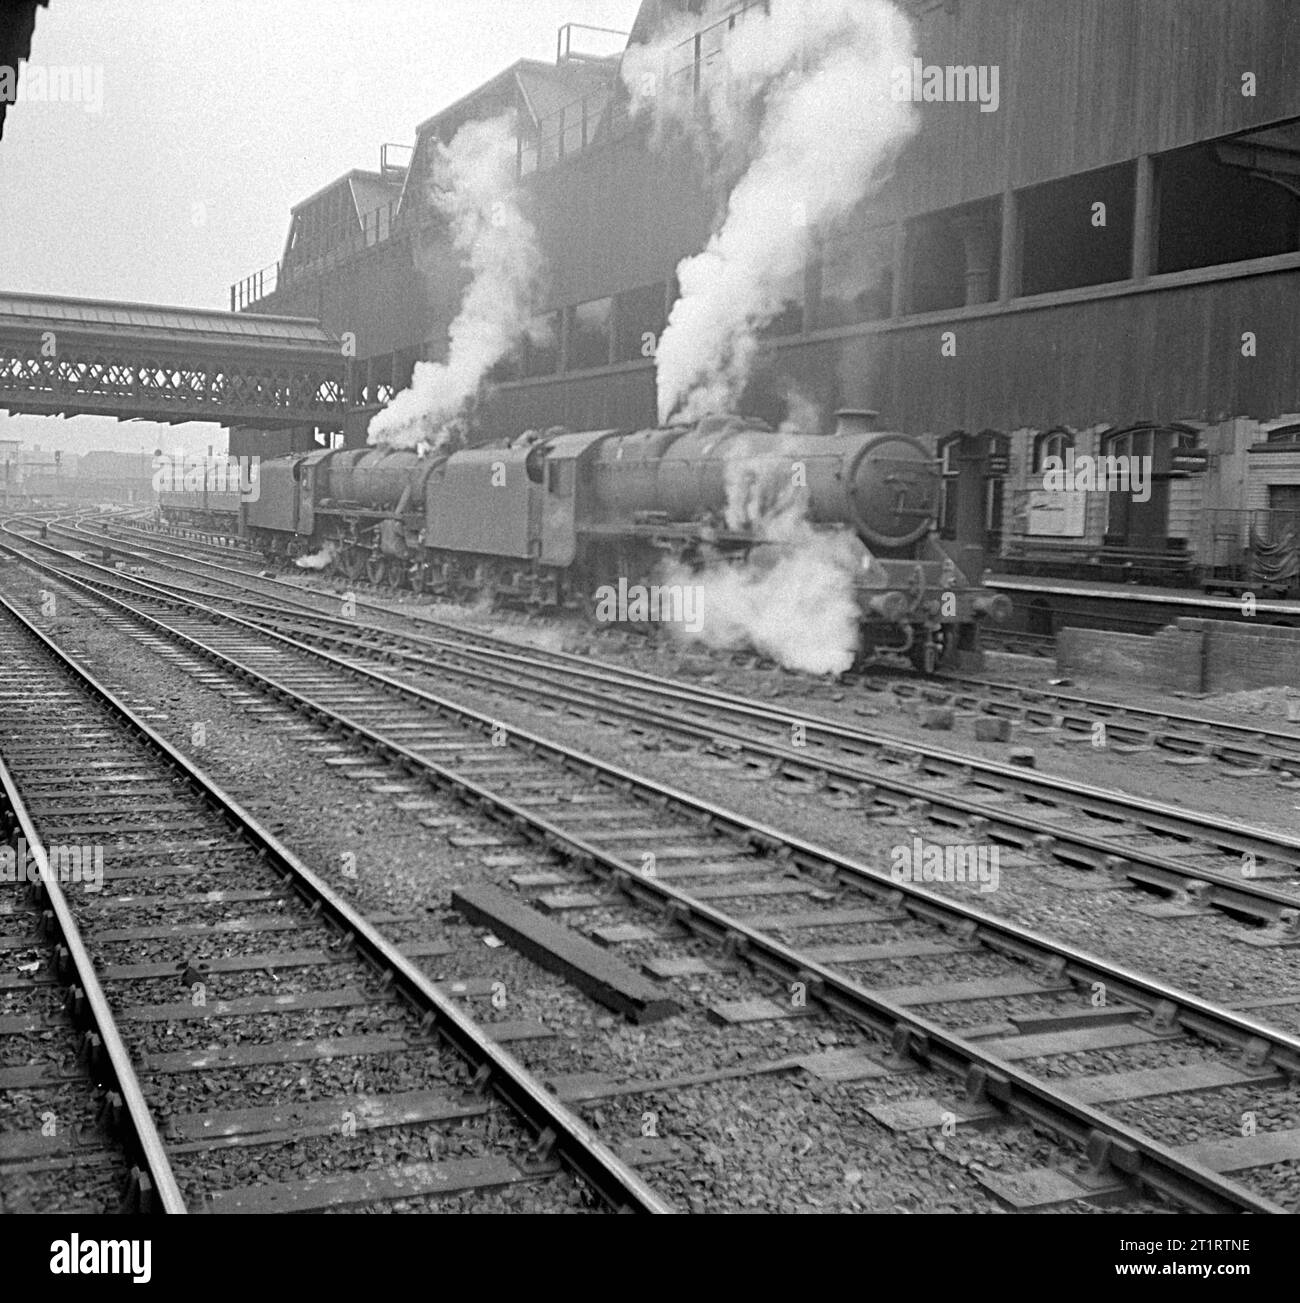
<point>475,189</point>
<point>318,560</point>
<point>763,495</point>
<point>803,415</point>
<point>792,599</point>
<point>806,92</point>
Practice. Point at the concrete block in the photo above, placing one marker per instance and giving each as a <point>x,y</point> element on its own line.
<point>988,729</point>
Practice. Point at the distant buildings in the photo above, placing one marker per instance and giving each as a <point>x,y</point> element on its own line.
<point>65,476</point>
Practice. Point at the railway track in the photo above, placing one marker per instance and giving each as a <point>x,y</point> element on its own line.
<point>1186,737</point>
<point>76,1130</point>
<point>1182,738</point>
<point>1198,862</point>
<point>204,963</point>
<point>822,923</point>
<point>1204,861</point>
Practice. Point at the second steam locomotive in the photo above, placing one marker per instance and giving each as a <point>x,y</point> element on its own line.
<point>549,520</point>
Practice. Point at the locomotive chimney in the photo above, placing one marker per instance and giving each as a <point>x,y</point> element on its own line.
<point>855,420</point>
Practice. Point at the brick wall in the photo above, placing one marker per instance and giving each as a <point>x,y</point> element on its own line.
<point>1243,654</point>
<point>1190,655</point>
<point>1169,660</point>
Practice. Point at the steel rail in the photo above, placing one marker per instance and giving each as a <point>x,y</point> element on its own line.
<point>1093,849</point>
<point>141,1127</point>
<point>1106,802</point>
<point>1192,723</point>
<point>613,1181</point>
<point>1035,704</point>
<point>1097,850</point>
<point>1109,1141</point>
<point>1102,801</point>
<point>1090,712</point>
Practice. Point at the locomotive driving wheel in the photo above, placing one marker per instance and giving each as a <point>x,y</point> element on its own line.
<point>353,562</point>
<point>376,568</point>
<point>395,572</point>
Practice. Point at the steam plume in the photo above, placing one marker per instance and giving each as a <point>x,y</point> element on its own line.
<point>793,598</point>
<point>806,93</point>
<point>317,560</point>
<point>476,192</point>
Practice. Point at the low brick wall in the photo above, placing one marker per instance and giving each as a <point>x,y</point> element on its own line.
<point>1169,660</point>
<point>1241,654</point>
<point>1191,655</point>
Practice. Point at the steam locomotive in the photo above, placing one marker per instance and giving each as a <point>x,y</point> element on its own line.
<point>550,519</point>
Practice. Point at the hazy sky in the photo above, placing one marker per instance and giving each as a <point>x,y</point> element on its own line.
<point>216,119</point>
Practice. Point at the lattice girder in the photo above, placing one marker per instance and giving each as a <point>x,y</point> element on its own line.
<point>232,390</point>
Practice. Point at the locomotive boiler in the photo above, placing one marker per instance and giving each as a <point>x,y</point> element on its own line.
<point>553,518</point>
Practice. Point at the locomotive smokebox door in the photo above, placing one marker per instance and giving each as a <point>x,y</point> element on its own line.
<point>892,488</point>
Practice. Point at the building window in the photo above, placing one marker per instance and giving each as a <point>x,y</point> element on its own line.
<point>1133,443</point>
<point>997,448</point>
<point>541,347</point>
<point>954,258</point>
<point>855,277</point>
<point>949,451</point>
<point>1055,443</point>
<point>1217,204</point>
<point>1077,231</point>
<point>640,319</point>
<point>590,327</point>
<point>1285,434</point>
<point>1158,445</point>
<point>1142,525</point>
<point>936,265</point>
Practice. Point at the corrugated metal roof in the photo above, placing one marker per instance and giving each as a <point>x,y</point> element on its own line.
<point>40,311</point>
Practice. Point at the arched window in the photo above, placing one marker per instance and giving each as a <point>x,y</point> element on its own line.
<point>996,448</point>
<point>1157,443</point>
<point>1055,443</point>
<point>997,451</point>
<point>1129,443</point>
<point>1140,521</point>
<point>949,451</point>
